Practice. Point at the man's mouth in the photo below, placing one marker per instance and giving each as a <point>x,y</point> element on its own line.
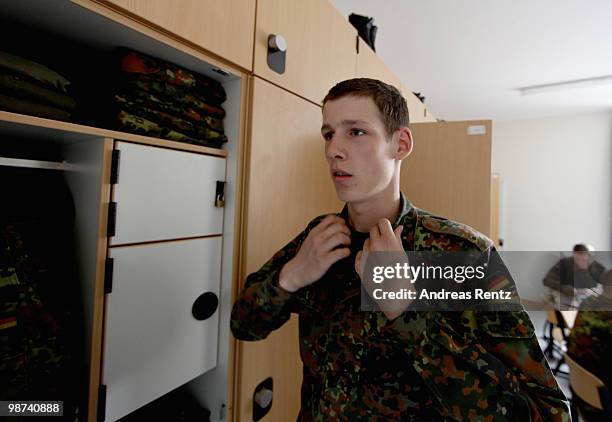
<point>341,175</point>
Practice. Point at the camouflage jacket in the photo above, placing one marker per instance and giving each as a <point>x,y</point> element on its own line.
<point>590,341</point>
<point>427,366</point>
<point>564,272</point>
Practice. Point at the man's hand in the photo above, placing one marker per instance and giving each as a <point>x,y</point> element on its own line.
<point>383,239</point>
<point>318,252</point>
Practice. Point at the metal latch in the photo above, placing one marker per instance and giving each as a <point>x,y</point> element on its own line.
<point>220,194</point>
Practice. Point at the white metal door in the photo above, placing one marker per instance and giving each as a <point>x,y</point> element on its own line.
<point>164,194</point>
<point>153,343</point>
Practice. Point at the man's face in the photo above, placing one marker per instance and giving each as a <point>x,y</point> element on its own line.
<point>581,259</point>
<point>361,160</point>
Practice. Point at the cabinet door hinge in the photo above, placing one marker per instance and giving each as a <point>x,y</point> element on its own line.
<point>112,219</point>
<point>102,403</point>
<point>108,275</point>
<point>114,179</point>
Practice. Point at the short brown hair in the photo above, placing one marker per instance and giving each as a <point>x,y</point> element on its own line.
<point>581,247</point>
<point>390,102</point>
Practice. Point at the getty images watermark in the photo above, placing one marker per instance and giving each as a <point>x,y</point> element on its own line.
<point>460,280</point>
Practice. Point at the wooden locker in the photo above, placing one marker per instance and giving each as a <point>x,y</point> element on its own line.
<point>416,109</point>
<point>369,65</point>
<point>288,185</point>
<point>321,45</point>
<point>449,171</point>
<point>496,203</point>
<point>225,29</point>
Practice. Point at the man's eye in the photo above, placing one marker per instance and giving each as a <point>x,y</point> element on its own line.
<point>327,136</point>
<point>357,132</point>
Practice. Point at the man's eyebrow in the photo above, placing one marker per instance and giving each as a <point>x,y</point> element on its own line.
<point>345,123</point>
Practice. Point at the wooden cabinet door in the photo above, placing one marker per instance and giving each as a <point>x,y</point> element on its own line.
<point>321,45</point>
<point>164,194</point>
<point>222,27</point>
<point>416,109</point>
<point>369,65</point>
<point>449,171</point>
<point>496,203</point>
<point>153,341</point>
<point>288,185</point>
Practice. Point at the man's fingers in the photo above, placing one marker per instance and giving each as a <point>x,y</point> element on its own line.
<point>335,228</point>
<point>375,233</point>
<point>385,228</point>
<point>398,233</point>
<point>337,239</point>
<point>358,262</point>
<point>326,222</point>
<point>338,254</point>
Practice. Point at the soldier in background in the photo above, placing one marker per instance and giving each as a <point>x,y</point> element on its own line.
<point>401,364</point>
<point>590,341</point>
<point>574,278</point>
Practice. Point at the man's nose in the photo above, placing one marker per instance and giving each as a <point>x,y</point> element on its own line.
<point>334,149</point>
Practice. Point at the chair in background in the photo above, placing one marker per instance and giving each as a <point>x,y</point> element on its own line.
<point>556,331</point>
<point>588,388</point>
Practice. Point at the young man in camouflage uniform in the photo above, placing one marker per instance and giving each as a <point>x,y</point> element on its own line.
<point>399,364</point>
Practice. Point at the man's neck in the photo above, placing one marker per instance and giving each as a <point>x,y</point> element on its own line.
<point>364,216</point>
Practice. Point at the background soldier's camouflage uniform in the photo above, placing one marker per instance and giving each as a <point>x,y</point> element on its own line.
<point>590,343</point>
<point>429,366</point>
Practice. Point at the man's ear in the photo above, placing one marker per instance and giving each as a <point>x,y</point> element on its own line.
<point>404,143</point>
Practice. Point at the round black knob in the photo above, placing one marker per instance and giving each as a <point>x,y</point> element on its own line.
<point>205,306</point>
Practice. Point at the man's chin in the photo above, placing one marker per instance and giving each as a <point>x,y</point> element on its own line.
<point>347,197</point>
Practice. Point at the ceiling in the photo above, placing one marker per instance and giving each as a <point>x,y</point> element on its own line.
<point>468,57</point>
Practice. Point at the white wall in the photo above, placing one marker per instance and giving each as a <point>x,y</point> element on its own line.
<point>557,178</point>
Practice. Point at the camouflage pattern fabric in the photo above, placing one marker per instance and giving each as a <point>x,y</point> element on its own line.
<point>148,111</point>
<point>136,63</point>
<point>139,125</point>
<point>42,342</point>
<point>159,99</point>
<point>565,273</point>
<point>20,87</point>
<point>31,357</point>
<point>170,94</point>
<point>19,105</point>
<point>422,366</point>
<point>174,107</point>
<point>590,343</point>
<point>35,71</point>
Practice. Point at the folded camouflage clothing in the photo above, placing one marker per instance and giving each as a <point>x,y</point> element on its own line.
<point>19,105</point>
<point>164,119</point>
<point>140,125</point>
<point>19,86</point>
<point>35,71</point>
<point>133,62</point>
<point>171,94</point>
<point>180,109</point>
<point>159,99</point>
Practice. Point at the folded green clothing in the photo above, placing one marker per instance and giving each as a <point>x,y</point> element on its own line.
<point>175,108</point>
<point>142,126</point>
<point>18,105</point>
<point>35,71</point>
<point>165,119</point>
<point>133,62</point>
<point>20,87</point>
<point>173,94</point>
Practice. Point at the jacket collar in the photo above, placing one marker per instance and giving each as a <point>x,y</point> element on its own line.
<point>406,215</point>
